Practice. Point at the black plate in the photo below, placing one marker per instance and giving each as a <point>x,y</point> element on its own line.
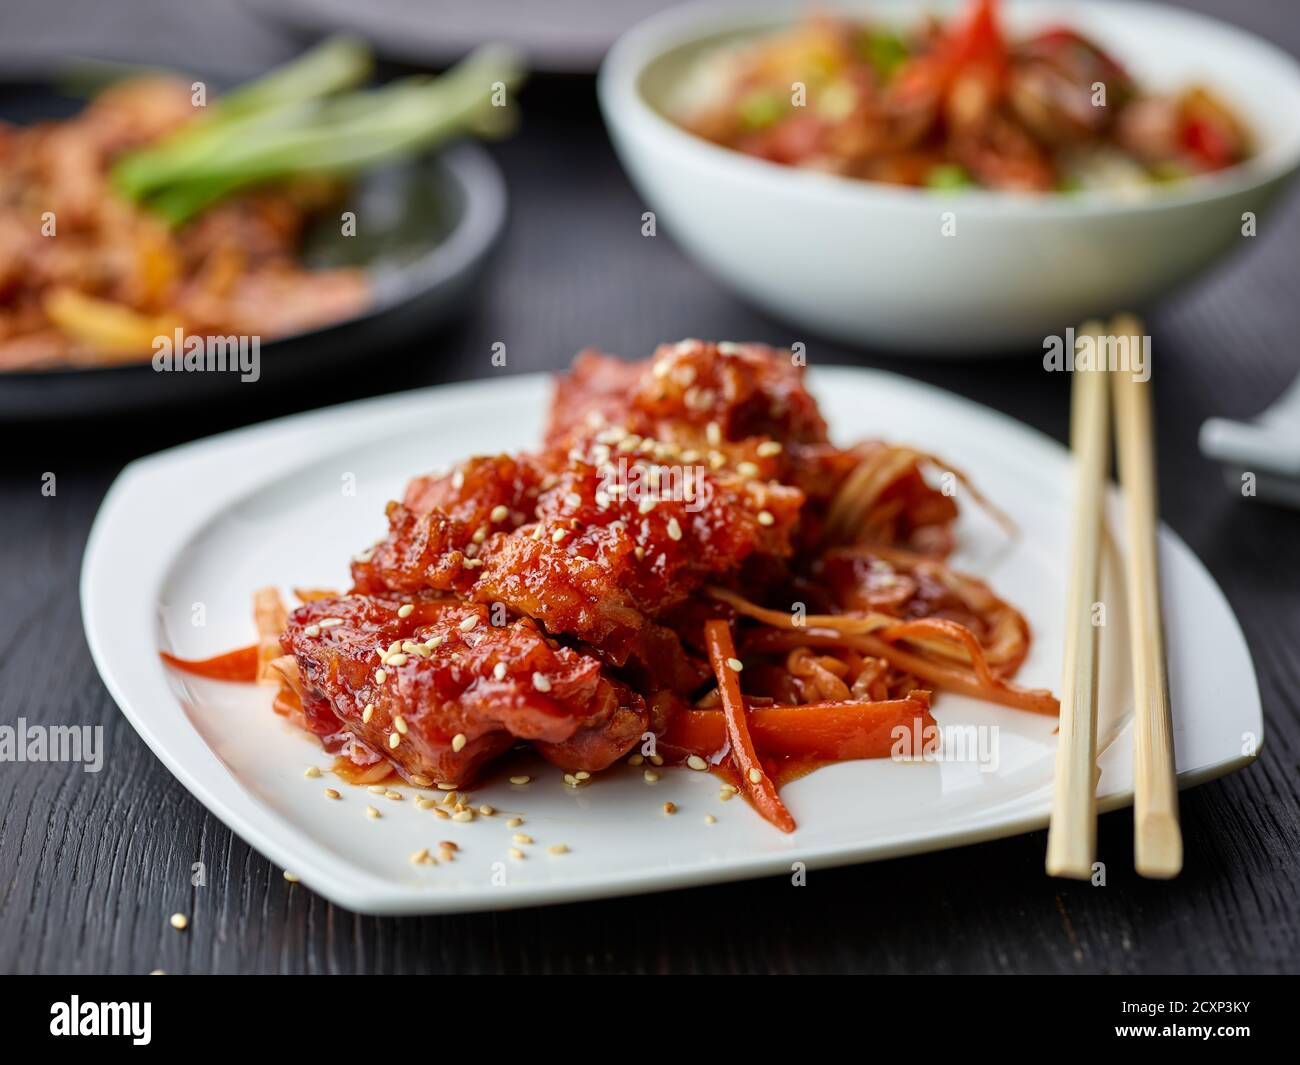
<point>424,233</point>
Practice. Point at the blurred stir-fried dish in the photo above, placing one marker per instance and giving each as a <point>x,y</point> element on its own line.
<point>160,208</point>
<point>956,104</point>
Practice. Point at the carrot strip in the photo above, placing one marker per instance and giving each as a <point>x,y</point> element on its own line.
<point>238,665</point>
<point>826,732</point>
<point>754,779</point>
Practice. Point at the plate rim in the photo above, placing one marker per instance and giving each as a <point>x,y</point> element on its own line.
<point>187,756</point>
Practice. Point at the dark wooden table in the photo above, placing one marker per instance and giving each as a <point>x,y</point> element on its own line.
<point>91,865</point>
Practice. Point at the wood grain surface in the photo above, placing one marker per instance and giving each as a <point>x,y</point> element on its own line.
<point>91,865</point>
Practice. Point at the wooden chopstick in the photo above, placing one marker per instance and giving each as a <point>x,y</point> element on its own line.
<point>1157,838</point>
<point>1072,835</point>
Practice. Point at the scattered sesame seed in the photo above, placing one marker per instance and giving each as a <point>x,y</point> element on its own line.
<point>399,723</point>
<point>291,877</point>
<point>656,759</point>
<point>697,763</point>
<point>514,822</point>
<point>329,623</point>
<point>448,845</point>
<point>725,795</point>
<point>582,774</point>
<point>368,712</point>
<point>405,610</point>
<point>398,659</point>
<point>571,780</point>
<point>393,740</point>
<point>463,815</point>
<point>180,922</point>
<point>499,671</point>
<point>458,480</point>
<point>440,812</point>
<point>311,630</point>
<point>425,804</point>
<point>311,772</point>
<point>709,819</point>
<point>746,469</point>
<point>373,814</point>
<point>469,623</point>
<point>434,642</point>
<point>393,796</point>
<point>487,810</point>
<point>735,664</point>
<point>332,793</point>
<point>448,787</point>
<point>558,535</point>
<point>650,776</point>
<point>557,848</point>
<point>755,776</point>
<point>670,807</point>
<point>380,676</point>
<point>376,789</point>
<point>541,683</point>
<point>516,854</point>
<point>420,781</point>
<point>635,759</point>
<point>520,780</point>
<point>765,518</point>
<point>458,742</point>
<point>500,512</point>
<point>768,448</point>
<point>420,857</point>
<point>520,837</point>
<point>674,529</point>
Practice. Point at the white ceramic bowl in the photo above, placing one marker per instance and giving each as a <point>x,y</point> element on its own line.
<point>868,263</point>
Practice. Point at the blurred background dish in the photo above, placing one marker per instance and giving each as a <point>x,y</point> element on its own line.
<point>944,271</point>
<point>559,36</point>
<point>300,211</point>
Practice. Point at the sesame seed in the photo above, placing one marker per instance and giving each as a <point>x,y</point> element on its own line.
<point>398,659</point>
<point>458,742</point>
<point>516,854</point>
<point>487,810</point>
<point>373,814</point>
<point>179,922</point>
<point>499,671</point>
<point>520,837</point>
<point>434,642</point>
<point>448,787</point>
<point>541,683</point>
<point>405,610</point>
<point>425,804</point>
<point>725,795</point>
<point>311,630</point>
<point>557,848</point>
<point>420,781</point>
<point>709,819</point>
<point>747,469</point>
<point>463,815</point>
<point>768,448</point>
<point>639,551</point>
<point>394,740</point>
<point>380,676</point>
<point>697,763</point>
<point>329,623</point>
<point>714,433</point>
<point>311,772</point>
<point>656,759</point>
<point>394,796</point>
<point>765,518</point>
<point>735,664</point>
<point>399,723</point>
<point>420,857</point>
<point>514,822</point>
<point>376,789</point>
<point>291,877</point>
<point>440,812</point>
<point>469,623</point>
<point>571,780</point>
<point>582,774</point>
<point>559,535</point>
<point>650,776</point>
<point>670,807</point>
<point>332,793</point>
<point>368,712</point>
<point>674,529</point>
<point>500,512</point>
<point>755,776</point>
<point>458,480</point>
<point>635,759</point>
<point>520,780</point>
<point>646,505</point>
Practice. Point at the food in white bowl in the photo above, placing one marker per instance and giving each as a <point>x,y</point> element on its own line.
<point>985,226</point>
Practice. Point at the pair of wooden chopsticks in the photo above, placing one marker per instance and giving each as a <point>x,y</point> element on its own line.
<point>1072,837</point>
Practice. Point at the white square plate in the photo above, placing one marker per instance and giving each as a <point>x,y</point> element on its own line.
<point>184,537</point>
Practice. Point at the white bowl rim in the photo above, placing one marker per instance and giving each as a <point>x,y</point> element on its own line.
<point>619,92</point>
